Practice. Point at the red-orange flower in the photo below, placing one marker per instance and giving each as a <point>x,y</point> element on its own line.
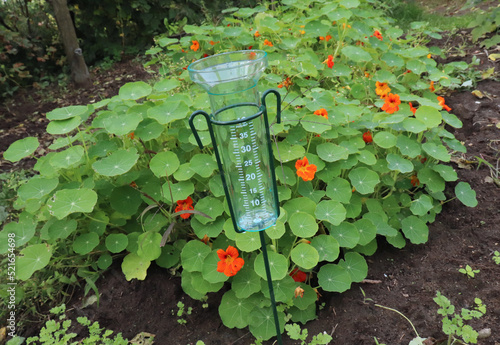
<point>382,89</point>
<point>329,62</point>
<point>413,110</point>
<point>415,181</point>
<point>256,34</point>
<point>431,87</point>
<point>298,275</point>
<point>183,205</point>
<point>327,38</point>
<point>378,35</point>
<point>131,135</point>
<point>367,137</point>
<point>322,112</point>
<point>195,46</point>
<point>268,43</point>
<point>391,104</point>
<point>305,170</point>
<point>441,103</point>
<point>230,262</point>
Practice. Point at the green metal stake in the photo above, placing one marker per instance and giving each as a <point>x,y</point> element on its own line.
<point>271,289</point>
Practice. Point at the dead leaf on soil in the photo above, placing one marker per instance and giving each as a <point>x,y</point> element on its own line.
<point>463,163</point>
<point>143,338</point>
<point>494,57</point>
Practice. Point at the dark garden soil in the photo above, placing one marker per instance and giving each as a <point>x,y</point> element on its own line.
<point>405,280</point>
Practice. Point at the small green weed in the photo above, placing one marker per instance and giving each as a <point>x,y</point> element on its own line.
<point>181,311</point>
<point>496,257</point>
<point>295,333</point>
<point>56,332</point>
<point>453,322</point>
<point>471,273</point>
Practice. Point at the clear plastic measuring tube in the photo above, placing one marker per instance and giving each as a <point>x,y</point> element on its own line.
<point>239,131</point>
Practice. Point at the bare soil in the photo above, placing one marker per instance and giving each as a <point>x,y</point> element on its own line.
<point>405,280</point>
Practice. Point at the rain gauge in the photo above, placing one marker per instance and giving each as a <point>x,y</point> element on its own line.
<point>239,131</point>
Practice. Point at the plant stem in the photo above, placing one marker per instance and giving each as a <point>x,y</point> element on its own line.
<point>407,319</point>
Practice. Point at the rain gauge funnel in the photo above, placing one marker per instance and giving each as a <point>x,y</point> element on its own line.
<point>239,130</point>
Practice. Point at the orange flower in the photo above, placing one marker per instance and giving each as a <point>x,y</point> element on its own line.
<point>413,110</point>
<point>391,104</point>
<point>327,38</point>
<point>329,62</point>
<point>431,87</point>
<point>299,292</point>
<point>213,43</point>
<point>298,275</point>
<point>229,263</point>
<point>378,35</point>
<point>322,112</point>
<point>441,103</point>
<point>302,32</point>
<point>184,205</point>
<point>382,89</point>
<point>256,34</point>
<point>195,46</point>
<point>415,181</point>
<point>305,170</point>
<point>367,137</point>
<point>131,135</point>
<point>267,43</point>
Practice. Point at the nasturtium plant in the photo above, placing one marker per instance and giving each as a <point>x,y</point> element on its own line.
<point>125,180</point>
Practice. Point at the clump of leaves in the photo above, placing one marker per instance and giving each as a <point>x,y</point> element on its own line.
<point>454,322</point>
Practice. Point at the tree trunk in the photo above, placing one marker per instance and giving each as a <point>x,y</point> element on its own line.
<point>79,71</point>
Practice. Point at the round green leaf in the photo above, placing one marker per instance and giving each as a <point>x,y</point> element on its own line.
<point>121,124</point>
<point>118,163</point>
<point>134,90</point>
<point>365,156</point>
<point>413,125</point>
<point>211,207</point>
<point>331,211</point>
<point>398,163</point>
<point>299,205</point>
<point>367,231</point>
<point>169,257</point>
<point>209,269</point>
<point>432,179</point>
<point>283,289</point>
<point>392,60</point>
<point>407,146</point>
<point>339,189</point>
<point>203,286</point>
<point>169,111</point>
<point>422,205</point>
<point>193,254</point>
<point>330,152</point>
<point>315,124</point>
<point>430,116</point>
<point>68,158</point>
<point>303,316</point>
<point>37,188</point>
<point>187,285</point>
<point>451,119</point>
<point>85,243</point>
<point>31,259</point>
<point>125,200</point>
<point>67,201</point>
<point>356,54</point>
<point>185,172</point>
<point>364,180</point>
<point>447,172</point>
<point>262,322</point>
<point>303,224</point>
<point>135,267</point>
<point>246,282</point>
<point>355,265</point>
<point>278,265</point>
<point>21,148</point>
<point>164,163</point>
<point>346,234</point>
<point>204,165</point>
<point>148,129</point>
<point>67,112</point>
<point>334,278</point>
<point>465,194</point>
<point>415,229</point>
<point>276,231</point>
<point>305,255</point>
<point>24,230</point>
<point>436,151</point>
<point>211,229</point>
<point>180,191</point>
<point>327,246</point>
<point>248,241</point>
<point>385,139</point>
<point>62,228</point>
<point>166,85</point>
<point>285,152</point>
<point>234,311</point>
<point>63,126</point>
<point>116,243</point>
<point>104,261</point>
